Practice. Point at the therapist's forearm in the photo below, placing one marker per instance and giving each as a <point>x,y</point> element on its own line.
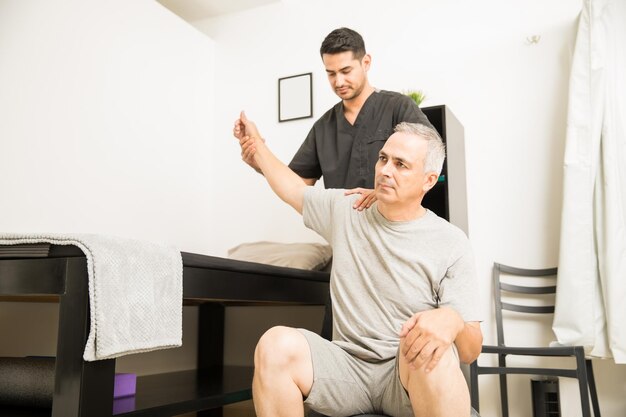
<point>284,182</point>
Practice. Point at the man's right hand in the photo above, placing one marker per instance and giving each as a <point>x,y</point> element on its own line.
<point>243,130</point>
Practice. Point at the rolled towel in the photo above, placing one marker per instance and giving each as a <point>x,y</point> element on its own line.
<point>27,381</point>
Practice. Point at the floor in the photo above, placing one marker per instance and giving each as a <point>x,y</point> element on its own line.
<point>241,409</point>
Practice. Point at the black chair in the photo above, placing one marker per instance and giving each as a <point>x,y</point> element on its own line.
<point>517,300</point>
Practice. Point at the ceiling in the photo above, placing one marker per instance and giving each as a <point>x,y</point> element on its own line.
<point>192,10</point>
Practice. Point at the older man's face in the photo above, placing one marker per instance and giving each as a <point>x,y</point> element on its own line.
<point>400,175</point>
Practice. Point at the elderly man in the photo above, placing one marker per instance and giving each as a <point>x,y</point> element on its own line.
<point>403,286</point>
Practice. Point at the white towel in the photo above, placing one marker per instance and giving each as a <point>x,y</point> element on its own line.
<point>135,292</point>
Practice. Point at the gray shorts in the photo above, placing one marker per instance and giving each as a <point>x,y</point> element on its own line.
<point>344,385</point>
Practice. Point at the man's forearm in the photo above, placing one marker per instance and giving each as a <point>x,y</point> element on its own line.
<point>285,183</point>
<point>469,342</point>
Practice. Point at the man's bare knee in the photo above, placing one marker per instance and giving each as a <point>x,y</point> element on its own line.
<point>278,347</point>
<point>284,350</point>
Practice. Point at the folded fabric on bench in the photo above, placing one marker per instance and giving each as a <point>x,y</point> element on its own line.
<point>135,292</point>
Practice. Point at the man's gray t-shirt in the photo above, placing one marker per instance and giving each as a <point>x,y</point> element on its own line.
<point>383,272</point>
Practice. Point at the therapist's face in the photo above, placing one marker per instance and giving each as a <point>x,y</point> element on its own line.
<point>346,74</point>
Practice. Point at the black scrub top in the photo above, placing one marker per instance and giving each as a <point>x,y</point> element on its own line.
<point>344,154</point>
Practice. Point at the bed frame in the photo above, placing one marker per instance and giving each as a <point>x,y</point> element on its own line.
<point>86,388</point>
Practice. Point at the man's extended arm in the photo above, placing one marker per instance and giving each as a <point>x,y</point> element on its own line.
<point>247,153</point>
<point>469,342</point>
<point>285,183</point>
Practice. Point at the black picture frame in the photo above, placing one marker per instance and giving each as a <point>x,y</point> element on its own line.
<point>295,97</point>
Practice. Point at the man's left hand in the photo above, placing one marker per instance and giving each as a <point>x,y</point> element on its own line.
<point>428,334</point>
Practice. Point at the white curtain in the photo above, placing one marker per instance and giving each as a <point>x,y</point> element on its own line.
<point>591,289</point>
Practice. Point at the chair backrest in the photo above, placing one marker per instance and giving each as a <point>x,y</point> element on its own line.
<point>515,289</point>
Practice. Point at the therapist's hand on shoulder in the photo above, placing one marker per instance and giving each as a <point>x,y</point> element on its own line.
<point>368,197</point>
<point>428,334</point>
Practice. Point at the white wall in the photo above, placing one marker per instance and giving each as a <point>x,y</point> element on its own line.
<point>472,56</point>
<point>106,108</point>
<point>106,114</point>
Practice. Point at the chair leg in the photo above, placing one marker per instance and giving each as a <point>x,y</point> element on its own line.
<point>592,388</point>
<point>504,392</point>
<point>581,374</point>
<point>584,397</point>
<point>504,397</point>
<point>474,385</point>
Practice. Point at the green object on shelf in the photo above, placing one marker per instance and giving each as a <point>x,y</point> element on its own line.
<point>416,95</point>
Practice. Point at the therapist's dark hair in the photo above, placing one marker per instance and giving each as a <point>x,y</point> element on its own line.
<point>342,40</point>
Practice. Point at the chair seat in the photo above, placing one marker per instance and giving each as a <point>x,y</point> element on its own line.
<point>474,413</point>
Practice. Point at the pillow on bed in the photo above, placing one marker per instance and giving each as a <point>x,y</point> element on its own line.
<point>312,256</point>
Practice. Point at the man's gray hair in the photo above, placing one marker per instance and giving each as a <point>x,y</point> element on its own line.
<point>435,151</point>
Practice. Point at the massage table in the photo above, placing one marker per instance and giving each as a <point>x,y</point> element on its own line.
<point>59,273</point>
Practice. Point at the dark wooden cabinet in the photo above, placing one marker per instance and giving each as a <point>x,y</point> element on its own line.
<point>448,199</point>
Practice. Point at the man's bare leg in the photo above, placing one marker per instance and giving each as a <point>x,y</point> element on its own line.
<point>441,392</point>
<point>283,373</point>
